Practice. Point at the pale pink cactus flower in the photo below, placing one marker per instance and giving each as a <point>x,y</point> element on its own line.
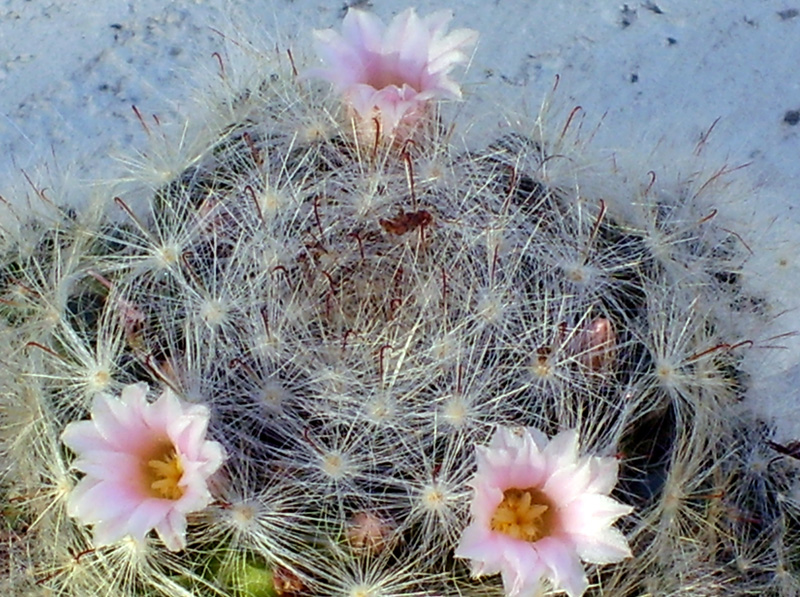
<point>391,74</point>
<point>539,509</point>
<point>146,465</point>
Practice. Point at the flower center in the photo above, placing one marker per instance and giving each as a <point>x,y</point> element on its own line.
<point>385,70</point>
<point>162,474</point>
<point>525,514</point>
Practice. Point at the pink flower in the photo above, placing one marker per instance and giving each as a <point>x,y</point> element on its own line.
<point>392,73</point>
<point>146,466</point>
<point>539,509</point>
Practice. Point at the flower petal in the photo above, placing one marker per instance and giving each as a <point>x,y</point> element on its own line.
<point>523,570</point>
<point>147,515</point>
<point>604,474</point>
<point>487,498</point>
<point>108,465</point>
<point>80,436</point>
<point>448,51</point>
<point>165,411</point>
<point>407,38</point>
<point>106,532</point>
<point>134,397</point>
<point>77,497</point>
<point>477,543</point>
<point>95,502</point>
<point>565,566</point>
<point>172,531</point>
<point>436,22</point>
<point>363,30</point>
<point>606,547</point>
<point>188,430</point>
<point>562,451</point>
<point>105,418</point>
<point>212,455</point>
<point>567,484</point>
<point>591,513</point>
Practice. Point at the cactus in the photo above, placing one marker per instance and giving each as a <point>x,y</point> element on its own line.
<point>357,314</point>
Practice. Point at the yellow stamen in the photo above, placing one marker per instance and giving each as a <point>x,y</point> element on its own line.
<point>525,514</point>
<point>163,474</point>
